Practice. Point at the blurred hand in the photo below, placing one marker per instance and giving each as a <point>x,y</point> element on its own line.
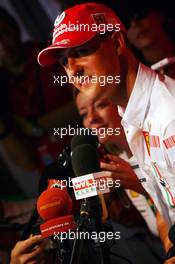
<point>123,171</point>
<point>29,251</point>
<point>163,231</point>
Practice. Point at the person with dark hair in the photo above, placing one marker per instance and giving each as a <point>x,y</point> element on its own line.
<point>150,31</point>
<point>146,100</point>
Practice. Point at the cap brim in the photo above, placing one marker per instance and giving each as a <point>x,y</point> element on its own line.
<point>50,54</point>
<point>47,57</point>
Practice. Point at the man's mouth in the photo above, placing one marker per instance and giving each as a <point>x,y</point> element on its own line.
<point>84,80</point>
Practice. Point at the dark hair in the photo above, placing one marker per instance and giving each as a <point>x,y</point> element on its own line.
<point>138,10</point>
<point>75,93</point>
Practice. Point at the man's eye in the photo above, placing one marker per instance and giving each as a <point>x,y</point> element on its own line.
<point>63,61</point>
<point>83,52</point>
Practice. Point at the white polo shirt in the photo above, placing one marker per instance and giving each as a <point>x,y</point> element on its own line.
<point>143,204</point>
<point>149,124</point>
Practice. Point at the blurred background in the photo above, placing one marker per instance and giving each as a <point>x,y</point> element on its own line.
<point>32,105</point>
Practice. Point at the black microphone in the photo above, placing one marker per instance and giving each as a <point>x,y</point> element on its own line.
<point>91,156</point>
<point>85,160</point>
<point>60,170</point>
<point>171,235</point>
<point>86,138</point>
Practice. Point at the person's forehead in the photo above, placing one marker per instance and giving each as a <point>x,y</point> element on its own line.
<point>82,99</point>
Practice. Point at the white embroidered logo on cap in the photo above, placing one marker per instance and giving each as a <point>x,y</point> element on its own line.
<point>63,42</point>
<point>59,19</point>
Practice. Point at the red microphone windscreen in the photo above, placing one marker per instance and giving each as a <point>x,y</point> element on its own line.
<point>57,225</point>
<point>53,203</point>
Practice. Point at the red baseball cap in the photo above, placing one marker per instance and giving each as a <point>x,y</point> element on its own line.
<point>77,25</point>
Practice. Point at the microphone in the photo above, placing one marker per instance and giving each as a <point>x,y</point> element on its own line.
<point>171,235</point>
<point>90,139</point>
<point>85,163</point>
<point>61,170</point>
<point>54,207</point>
<point>90,180</point>
<point>87,138</point>
<point>85,160</point>
<point>52,171</point>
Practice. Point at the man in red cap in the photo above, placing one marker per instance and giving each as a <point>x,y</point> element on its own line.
<point>90,43</point>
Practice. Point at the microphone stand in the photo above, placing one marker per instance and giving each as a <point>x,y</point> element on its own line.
<point>98,227</point>
<point>61,252</point>
<point>82,225</point>
<point>88,223</point>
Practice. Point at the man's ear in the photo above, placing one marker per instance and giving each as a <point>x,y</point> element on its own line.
<point>118,39</point>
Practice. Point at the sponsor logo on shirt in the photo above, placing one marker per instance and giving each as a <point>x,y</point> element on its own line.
<point>170,147</point>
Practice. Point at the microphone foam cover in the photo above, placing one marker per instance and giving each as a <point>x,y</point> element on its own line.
<point>85,160</point>
<point>53,203</point>
<point>87,138</point>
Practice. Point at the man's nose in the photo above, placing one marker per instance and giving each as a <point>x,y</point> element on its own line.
<point>73,67</point>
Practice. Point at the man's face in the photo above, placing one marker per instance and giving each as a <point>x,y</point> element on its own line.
<point>93,67</point>
<point>144,32</point>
